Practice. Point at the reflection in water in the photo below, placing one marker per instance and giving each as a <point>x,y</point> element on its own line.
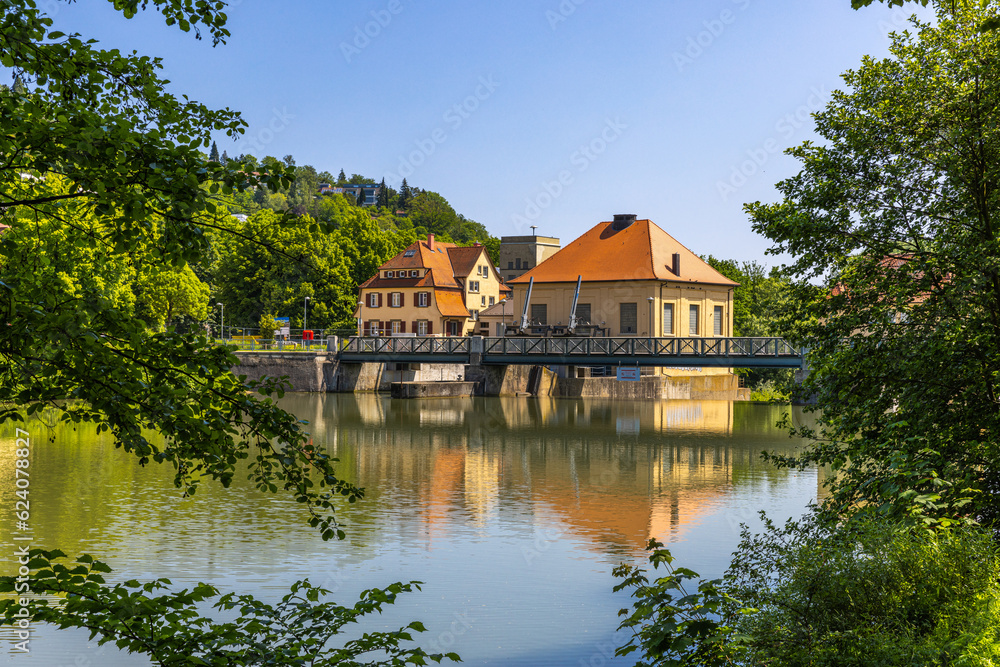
<point>512,510</point>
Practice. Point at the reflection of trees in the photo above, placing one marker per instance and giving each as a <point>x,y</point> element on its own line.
<point>614,473</point>
<point>609,473</point>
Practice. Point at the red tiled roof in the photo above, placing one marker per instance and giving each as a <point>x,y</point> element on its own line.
<point>641,251</point>
<point>463,260</point>
<point>451,304</point>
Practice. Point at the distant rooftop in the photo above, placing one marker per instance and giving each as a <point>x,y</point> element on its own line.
<point>546,240</point>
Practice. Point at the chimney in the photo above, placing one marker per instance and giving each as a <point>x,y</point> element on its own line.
<point>430,241</point>
<point>677,264</point>
<point>622,220</point>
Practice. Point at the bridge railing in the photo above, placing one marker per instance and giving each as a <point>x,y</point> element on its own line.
<point>406,345</point>
<point>670,347</point>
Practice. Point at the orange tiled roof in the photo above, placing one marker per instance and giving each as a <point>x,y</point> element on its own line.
<point>437,262</point>
<point>451,304</point>
<point>641,251</point>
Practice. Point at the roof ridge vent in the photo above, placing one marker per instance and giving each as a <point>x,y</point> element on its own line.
<point>622,220</point>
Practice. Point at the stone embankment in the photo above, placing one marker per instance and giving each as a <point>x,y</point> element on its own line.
<point>322,372</point>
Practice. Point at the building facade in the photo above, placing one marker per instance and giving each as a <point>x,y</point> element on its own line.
<point>519,254</point>
<point>637,280</point>
<point>432,288</point>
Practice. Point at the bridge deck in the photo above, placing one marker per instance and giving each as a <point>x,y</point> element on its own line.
<point>719,352</point>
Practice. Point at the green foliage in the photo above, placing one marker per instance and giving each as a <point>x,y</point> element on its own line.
<point>268,266</point>
<point>891,227</point>
<point>761,307</point>
<point>165,294</point>
<point>868,593</point>
<point>672,626</point>
<point>820,594</point>
<point>268,326</point>
<point>769,391</point>
<point>170,628</point>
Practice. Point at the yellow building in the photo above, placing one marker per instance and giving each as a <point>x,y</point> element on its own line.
<point>637,280</point>
<point>432,288</point>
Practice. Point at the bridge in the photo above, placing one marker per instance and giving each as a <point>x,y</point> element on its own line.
<point>570,351</point>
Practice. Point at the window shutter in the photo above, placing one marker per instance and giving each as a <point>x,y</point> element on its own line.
<point>668,319</point>
<point>416,328</point>
<point>717,325</point>
<point>402,327</point>
<point>430,327</point>
<point>693,321</point>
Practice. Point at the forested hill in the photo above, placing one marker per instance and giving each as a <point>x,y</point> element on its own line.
<point>408,208</point>
<point>259,267</point>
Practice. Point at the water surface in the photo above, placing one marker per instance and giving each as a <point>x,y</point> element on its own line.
<point>513,513</point>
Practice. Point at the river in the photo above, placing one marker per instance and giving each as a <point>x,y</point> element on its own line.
<point>512,511</point>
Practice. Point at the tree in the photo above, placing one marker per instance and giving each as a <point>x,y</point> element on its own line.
<point>99,147</point>
<point>213,155</point>
<point>382,200</point>
<point>341,177</point>
<point>404,197</point>
<point>361,197</point>
<point>891,226</point>
<point>170,629</point>
<point>269,267</point>
<point>818,593</point>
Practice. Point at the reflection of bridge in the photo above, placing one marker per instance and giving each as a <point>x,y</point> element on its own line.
<point>477,350</point>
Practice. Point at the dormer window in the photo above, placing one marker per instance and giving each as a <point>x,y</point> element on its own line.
<point>390,274</point>
<point>414,273</point>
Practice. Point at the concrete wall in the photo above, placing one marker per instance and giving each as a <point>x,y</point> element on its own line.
<point>656,387</point>
<point>306,371</point>
<point>317,372</point>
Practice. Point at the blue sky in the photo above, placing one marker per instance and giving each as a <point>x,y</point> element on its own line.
<point>557,113</point>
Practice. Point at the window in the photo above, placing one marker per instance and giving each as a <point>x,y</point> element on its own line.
<point>396,300</point>
<point>422,327</point>
<point>493,300</point>
<point>389,274</point>
<point>482,301</point>
<point>583,313</point>
<point>373,299</point>
<point>717,321</point>
<point>510,265</point>
<point>511,277</point>
<point>693,321</point>
<point>373,328</point>
<point>475,315</point>
<point>397,327</point>
<point>473,285</point>
<point>423,299</point>
<point>479,270</point>
<point>519,262</point>
<point>668,319</point>
<point>629,317</point>
<point>410,253</point>
<point>414,273</point>
<point>486,270</point>
<point>539,313</point>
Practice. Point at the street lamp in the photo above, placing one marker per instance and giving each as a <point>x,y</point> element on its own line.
<point>305,303</point>
<point>222,319</point>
